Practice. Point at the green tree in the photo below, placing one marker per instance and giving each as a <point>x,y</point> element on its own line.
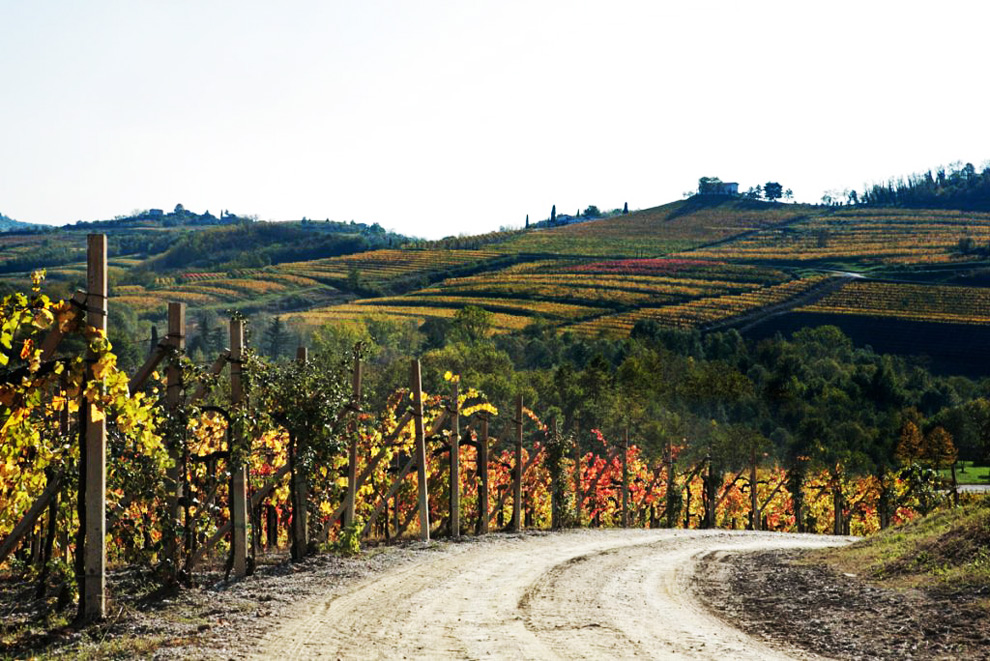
<point>276,339</point>
<point>773,191</point>
<point>592,211</point>
<point>471,324</point>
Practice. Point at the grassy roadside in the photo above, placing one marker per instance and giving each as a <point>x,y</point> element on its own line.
<point>946,552</point>
<point>967,473</point>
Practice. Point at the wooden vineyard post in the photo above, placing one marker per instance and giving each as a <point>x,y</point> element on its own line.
<point>578,496</point>
<point>754,503</point>
<point>352,448</point>
<point>517,469</point>
<point>300,492</point>
<point>671,520</point>
<point>92,601</point>
<point>176,340</point>
<point>424,501</point>
<point>483,476</point>
<point>625,480</point>
<point>455,462</point>
<point>238,483</point>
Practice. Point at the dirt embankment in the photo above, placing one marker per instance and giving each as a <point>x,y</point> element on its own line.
<point>777,596</point>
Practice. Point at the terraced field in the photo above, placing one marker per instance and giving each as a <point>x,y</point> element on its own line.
<point>657,231</point>
<point>577,294</point>
<point>385,266</point>
<point>929,303</point>
<point>697,313</point>
<point>884,236</point>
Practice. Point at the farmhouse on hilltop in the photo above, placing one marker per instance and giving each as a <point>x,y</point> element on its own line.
<point>715,186</point>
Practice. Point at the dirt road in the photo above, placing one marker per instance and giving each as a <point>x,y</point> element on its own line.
<point>575,595</point>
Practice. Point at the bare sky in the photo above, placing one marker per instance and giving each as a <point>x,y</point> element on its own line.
<point>437,118</point>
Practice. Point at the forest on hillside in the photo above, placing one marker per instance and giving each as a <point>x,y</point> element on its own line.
<point>812,400</point>
<point>960,186</point>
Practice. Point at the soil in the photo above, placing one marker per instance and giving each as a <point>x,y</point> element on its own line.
<point>779,596</point>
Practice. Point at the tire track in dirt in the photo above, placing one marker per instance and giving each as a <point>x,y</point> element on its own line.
<point>572,595</point>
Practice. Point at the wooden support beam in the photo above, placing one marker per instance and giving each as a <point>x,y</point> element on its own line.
<point>391,492</point>
<point>256,499</point>
<point>505,492</point>
<point>725,492</point>
<point>455,462</point>
<point>50,344</point>
<point>773,494</point>
<point>424,502</point>
<point>367,471</point>
<point>146,370</point>
<point>93,591</point>
<point>238,483</point>
<point>215,369</point>
<point>517,471</point>
<point>9,542</point>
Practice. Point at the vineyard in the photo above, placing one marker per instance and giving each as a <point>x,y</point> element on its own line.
<point>655,232</point>
<point>179,466</point>
<point>875,236</point>
<point>587,295</point>
<point>939,304</point>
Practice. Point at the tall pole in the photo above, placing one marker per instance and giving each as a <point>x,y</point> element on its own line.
<point>93,592</point>
<point>352,449</point>
<point>424,501</point>
<point>300,490</point>
<point>754,503</point>
<point>578,496</point>
<point>238,482</point>
<point>517,469</point>
<point>671,520</point>
<point>455,461</point>
<point>625,480</point>
<point>483,475</point>
<point>176,339</point>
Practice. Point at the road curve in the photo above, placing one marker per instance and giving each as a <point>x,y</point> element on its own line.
<point>586,594</point>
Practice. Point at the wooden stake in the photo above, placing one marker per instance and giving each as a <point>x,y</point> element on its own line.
<point>578,496</point>
<point>300,490</point>
<point>176,340</point>
<point>238,483</point>
<point>352,449</point>
<point>625,479</point>
<point>424,502</point>
<point>754,502</point>
<point>483,512</point>
<point>455,462</point>
<point>93,590</point>
<point>517,469</point>
<point>670,484</point>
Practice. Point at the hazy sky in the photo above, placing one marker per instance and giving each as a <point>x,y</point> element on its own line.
<point>436,118</point>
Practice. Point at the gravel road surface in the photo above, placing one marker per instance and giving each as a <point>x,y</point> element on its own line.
<point>585,594</point>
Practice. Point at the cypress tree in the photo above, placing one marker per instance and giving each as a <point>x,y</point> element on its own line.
<point>553,214</point>
<point>625,208</point>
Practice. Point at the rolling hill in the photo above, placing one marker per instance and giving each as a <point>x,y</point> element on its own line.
<point>704,263</point>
